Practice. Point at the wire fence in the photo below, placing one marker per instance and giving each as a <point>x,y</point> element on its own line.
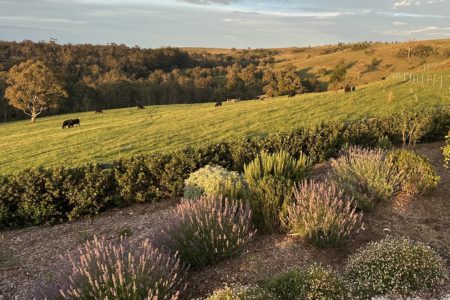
<point>424,78</point>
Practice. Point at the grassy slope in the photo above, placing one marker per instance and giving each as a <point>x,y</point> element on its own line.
<point>125,132</point>
<point>312,59</point>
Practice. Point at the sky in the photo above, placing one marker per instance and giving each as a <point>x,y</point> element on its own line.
<point>223,23</point>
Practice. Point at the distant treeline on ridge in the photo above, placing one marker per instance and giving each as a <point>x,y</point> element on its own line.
<point>114,76</point>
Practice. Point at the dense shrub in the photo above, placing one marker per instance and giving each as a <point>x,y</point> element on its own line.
<point>241,293</point>
<point>270,178</point>
<point>206,230</point>
<point>417,175</point>
<point>394,266</point>
<point>321,214</point>
<point>365,175</point>
<point>105,270</point>
<point>215,181</point>
<point>314,282</point>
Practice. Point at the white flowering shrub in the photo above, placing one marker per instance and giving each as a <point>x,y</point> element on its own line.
<point>241,293</point>
<point>394,266</point>
<point>214,181</point>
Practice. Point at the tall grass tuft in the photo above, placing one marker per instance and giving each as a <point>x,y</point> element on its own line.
<point>321,214</point>
<point>206,230</point>
<point>365,175</point>
<point>105,270</point>
<point>280,164</point>
<point>271,178</point>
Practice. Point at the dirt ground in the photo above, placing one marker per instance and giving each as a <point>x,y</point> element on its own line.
<point>30,255</point>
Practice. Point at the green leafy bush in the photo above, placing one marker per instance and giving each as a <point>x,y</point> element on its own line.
<point>394,266</point>
<point>271,178</point>
<point>206,230</point>
<point>314,282</point>
<point>417,175</point>
<point>241,293</point>
<point>104,270</point>
<point>365,175</point>
<point>321,214</point>
<point>215,181</point>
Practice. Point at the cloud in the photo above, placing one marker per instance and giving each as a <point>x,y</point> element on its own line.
<point>397,23</point>
<point>207,2</point>
<point>39,19</point>
<point>428,30</point>
<point>405,3</point>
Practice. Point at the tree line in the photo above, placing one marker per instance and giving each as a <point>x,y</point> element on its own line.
<point>92,77</point>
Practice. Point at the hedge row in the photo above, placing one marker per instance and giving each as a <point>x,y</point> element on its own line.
<point>38,196</point>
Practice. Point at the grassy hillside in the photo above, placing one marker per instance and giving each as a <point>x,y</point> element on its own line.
<point>312,61</point>
<point>125,132</point>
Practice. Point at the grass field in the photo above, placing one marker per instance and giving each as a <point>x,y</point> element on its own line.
<point>126,132</point>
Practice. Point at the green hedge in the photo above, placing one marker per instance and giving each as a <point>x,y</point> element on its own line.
<point>39,196</point>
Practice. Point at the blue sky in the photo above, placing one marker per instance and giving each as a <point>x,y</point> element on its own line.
<point>223,23</point>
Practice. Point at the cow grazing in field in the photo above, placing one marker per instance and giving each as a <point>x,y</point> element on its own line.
<point>218,104</point>
<point>99,111</point>
<point>261,97</point>
<point>292,94</point>
<point>349,88</point>
<point>383,78</point>
<point>71,123</point>
<point>140,107</point>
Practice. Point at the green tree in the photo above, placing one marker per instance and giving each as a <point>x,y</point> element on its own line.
<point>338,75</point>
<point>33,88</point>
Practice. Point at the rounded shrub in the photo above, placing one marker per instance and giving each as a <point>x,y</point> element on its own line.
<point>394,266</point>
<point>365,175</point>
<point>417,175</point>
<point>105,270</point>
<point>321,214</point>
<point>314,282</point>
<point>206,230</point>
<point>271,178</point>
<point>214,181</point>
<point>241,293</point>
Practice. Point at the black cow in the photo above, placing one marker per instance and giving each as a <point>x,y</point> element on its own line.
<point>292,94</point>
<point>140,107</point>
<point>99,111</point>
<point>383,78</point>
<point>218,103</point>
<point>353,88</point>
<point>70,123</point>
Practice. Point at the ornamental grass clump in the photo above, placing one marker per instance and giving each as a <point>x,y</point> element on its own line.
<point>395,266</point>
<point>271,178</point>
<point>365,175</point>
<point>214,181</point>
<point>417,175</point>
<point>105,270</point>
<point>321,214</point>
<point>206,230</point>
<point>314,282</point>
<point>241,293</point>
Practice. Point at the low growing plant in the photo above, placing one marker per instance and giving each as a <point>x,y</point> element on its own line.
<point>206,230</point>
<point>321,214</point>
<point>395,266</point>
<point>314,282</point>
<point>105,270</point>
<point>417,175</point>
<point>271,178</point>
<point>365,175</point>
<point>241,293</point>
<point>215,181</point>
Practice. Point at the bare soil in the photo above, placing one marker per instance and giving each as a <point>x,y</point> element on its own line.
<point>31,255</point>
